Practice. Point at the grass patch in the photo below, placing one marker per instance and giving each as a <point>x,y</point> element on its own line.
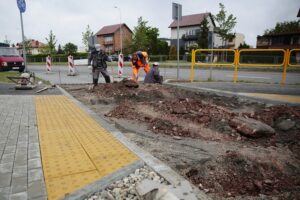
<point>3,76</point>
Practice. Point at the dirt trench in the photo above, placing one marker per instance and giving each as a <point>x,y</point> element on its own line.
<point>192,133</point>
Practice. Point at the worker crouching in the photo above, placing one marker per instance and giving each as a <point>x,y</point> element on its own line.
<point>139,59</point>
<point>153,76</point>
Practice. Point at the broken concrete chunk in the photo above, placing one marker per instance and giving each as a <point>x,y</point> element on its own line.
<point>251,128</point>
<point>286,125</point>
<point>151,190</point>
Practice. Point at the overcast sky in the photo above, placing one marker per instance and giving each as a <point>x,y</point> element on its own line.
<point>69,18</point>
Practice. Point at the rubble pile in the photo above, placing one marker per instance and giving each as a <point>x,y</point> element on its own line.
<point>243,147</point>
<point>126,188</point>
<point>238,176</point>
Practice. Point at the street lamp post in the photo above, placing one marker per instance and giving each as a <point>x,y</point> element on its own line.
<point>121,41</point>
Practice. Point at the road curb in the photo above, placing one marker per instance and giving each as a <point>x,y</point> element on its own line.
<point>231,94</point>
<point>155,164</point>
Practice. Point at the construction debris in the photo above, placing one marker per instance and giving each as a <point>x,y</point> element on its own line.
<point>251,127</point>
<point>26,81</point>
<point>229,148</point>
<point>151,190</point>
<point>46,88</point>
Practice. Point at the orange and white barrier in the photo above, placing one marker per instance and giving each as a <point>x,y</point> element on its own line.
<point>120,64</point>
<point>48,64</point>
<point>71,65</point>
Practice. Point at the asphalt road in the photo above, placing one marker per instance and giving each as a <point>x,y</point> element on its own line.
<point>59,75</point>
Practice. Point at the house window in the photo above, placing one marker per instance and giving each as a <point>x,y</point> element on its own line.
<point>296,40</point>
<point>108,39</point>
<point>109,48</point>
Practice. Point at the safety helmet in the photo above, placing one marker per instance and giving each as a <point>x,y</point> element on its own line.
<point>155,64</point>
<point>97,47</point>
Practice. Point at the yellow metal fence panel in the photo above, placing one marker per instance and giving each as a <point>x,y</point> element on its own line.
<point>297,58</point>
<point>287,60</point>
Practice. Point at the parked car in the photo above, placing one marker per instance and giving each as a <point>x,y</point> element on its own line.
<point>114,57</point>
<point>127,58</point>
<point>11,60</point>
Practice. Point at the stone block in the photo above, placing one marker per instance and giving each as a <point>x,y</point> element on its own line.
<point>7,158</point>
<point>5,179</point>
<point>19,184</point>
<point>4,193</point>
<point>36,189</point>
<point>20,161</point>
<point>34,163</point>
<point>20,171</point>
<point>35,175</point>
<point>10,149</point>
<point>33,154</point>
<point>6,167</point>
<point>19,196</point>
<point>34,147</point>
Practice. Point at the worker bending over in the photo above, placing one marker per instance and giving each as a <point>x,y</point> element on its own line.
<point>139,59</point>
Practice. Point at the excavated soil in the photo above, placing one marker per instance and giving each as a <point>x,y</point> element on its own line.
<point>192,133</point>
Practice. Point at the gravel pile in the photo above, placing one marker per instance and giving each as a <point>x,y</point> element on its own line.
<point>125,189</point>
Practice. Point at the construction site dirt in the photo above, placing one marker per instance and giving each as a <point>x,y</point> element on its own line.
<point>228,147</point>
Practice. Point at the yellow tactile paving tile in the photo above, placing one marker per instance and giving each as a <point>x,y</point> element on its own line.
<point>276,97</point>
<point>75,149</point>
<point>58,186</point>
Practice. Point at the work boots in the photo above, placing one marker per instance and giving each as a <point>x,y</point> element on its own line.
<point>107,79</point>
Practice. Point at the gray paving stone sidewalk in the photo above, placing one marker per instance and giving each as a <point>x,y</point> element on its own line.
<point>21,174</point>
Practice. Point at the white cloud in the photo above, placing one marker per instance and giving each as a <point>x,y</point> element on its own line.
<point>69,18</point>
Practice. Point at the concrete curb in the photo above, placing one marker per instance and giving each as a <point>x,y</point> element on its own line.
<point>104,182</point>
<point>231,94</point>
<point>162,169</point>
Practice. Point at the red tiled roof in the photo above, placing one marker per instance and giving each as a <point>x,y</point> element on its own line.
<point>110,29</point>
<point>297,32</point>
<point>33,44</point>
<point>190,20</point>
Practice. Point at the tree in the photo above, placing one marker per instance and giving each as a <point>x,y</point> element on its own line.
<point>163,47</point>
<point>51,42</point>
<point>173,53</point>
<point>140,39</point>
<point>282,27</point>
<point>70,48</point>
<point>146,38</point>
<point>6,41</point>
<point>27,43</point>
<point>203,35</point>
<point>226,24</point>
<point>244,45</point>
<point>85,37</point>
<point>59,50</point>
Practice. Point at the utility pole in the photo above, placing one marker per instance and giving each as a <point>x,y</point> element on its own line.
<point>176,15</point>
<point>22,7</point>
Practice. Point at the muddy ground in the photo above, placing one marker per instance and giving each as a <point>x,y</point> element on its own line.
<point>196,134</point>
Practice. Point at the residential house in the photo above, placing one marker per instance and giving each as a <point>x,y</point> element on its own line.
<point>34,47</point>
<point>109,37</point>
<point>287,40</point>
<point>189,28</point>
<point>235,42</point>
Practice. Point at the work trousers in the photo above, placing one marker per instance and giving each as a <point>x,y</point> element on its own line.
<point>96,74</point>
<point>135,71</point>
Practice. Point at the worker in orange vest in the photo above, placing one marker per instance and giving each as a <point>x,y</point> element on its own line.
<point>139,59</point>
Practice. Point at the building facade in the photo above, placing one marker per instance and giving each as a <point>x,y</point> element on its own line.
<point>288,40</point>
<point>34,47</point>
<point>109,37</point>
<point>189,28</point>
